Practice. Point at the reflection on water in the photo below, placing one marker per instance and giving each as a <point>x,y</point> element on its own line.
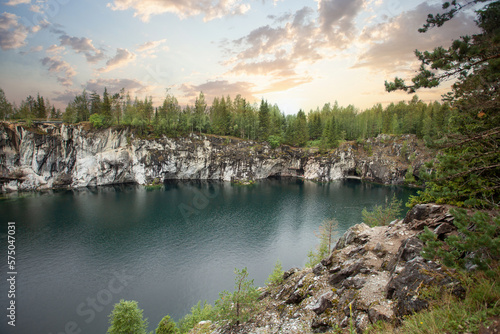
<point>80,251</point>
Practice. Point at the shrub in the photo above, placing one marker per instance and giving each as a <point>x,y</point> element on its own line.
<point>97,120</point>
<point>274,141</point>
<point>167,326</point>
<point>381,215</point>
<point>126,317</point>
<point>199,312</point>
<point>409,178</point>
<point>276,276</point>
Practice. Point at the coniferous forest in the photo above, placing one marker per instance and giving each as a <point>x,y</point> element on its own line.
<point>226,116</point>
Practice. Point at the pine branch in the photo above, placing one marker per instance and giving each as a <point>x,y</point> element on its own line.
<point>470,171</point>
<point>483,135</point>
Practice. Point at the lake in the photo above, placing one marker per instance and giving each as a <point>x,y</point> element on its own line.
<point>78,252</point>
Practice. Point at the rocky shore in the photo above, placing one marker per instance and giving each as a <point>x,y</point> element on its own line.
<point>372,274</point>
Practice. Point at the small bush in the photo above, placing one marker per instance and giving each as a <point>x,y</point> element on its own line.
<point>276,276</point>
<point>199,312</point>
<point>126,317</point>
<point>167,326</point>
<point>409,177</point>
<point>97,120</point>
<point>274,141</point>
<point>383,215</point>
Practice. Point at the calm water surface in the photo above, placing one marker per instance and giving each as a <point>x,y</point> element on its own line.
<point>78,252</point>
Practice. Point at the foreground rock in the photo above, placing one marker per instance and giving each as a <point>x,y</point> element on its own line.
<point>70,156</point>
<point>373,274</point>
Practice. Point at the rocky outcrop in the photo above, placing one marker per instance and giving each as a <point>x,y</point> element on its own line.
<point>372,274</point>
<point>60,155</point>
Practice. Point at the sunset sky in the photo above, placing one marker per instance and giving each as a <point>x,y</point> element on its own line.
<point>296,54</point>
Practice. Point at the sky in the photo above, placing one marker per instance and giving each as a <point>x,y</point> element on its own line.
<point>296,54</point>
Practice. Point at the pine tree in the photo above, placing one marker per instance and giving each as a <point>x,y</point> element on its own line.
<point>264,120</point>
<point>106,104</point>
<point>238,306</point>
<point>467,171</point>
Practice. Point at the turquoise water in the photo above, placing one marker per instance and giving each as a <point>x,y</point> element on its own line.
<point>78,252</point>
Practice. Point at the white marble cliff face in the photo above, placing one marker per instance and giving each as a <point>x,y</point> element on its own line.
<point>56,156</point>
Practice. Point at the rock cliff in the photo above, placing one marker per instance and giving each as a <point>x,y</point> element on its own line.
<point>58,155</point>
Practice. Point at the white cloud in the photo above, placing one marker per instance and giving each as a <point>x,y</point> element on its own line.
<point>83,45</point>
<point>122,58</point>
<point>33,49</point>
<point>150,45</point>
<point>61,69</point>
<point>390,46</point>
<point>12,34</point>
<point>218,88</point>
<point>17,2</point>
<point>150,48</point>
<point>210,9</point>
<point>336,20</point>
<point>278,51</point>
<point>55,49</point>
<point>115,85</point>
<point>36,9</point>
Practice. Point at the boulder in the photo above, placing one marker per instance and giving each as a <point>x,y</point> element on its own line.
<point>405,288</point>
<point>318,269</point>
<point>354,282</point>
<point>382,311</point>
<point>351,270</point>
<point>289,273</point>
<point>409,249</point>
<point>422,212</point>
<point>443,230</point>
<point>353,235</point>
<point>322,303</point>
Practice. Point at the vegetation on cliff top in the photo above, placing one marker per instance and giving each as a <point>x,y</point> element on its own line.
<point>324,128</point>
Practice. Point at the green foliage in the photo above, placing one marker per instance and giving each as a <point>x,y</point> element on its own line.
<point>404,151</point>
<point>240,305</point>
<point>448,314</point>
<point>5,106</point>
<point>97,120</point>
<point>409,178</point>
<point>166,326</point>
<point>29,122</point>
<point>383,215</point>
<point>326,235</point>
<point>477,243</point>
<point>466,174</point>
<point>274,141</point>
<point>126,317</point>
<point>236,117</point>
<point>264,120</point>
<point>199,312</point>
<point>276,276</point>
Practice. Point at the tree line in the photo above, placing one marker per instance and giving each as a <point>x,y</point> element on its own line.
<point>226,116</point>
